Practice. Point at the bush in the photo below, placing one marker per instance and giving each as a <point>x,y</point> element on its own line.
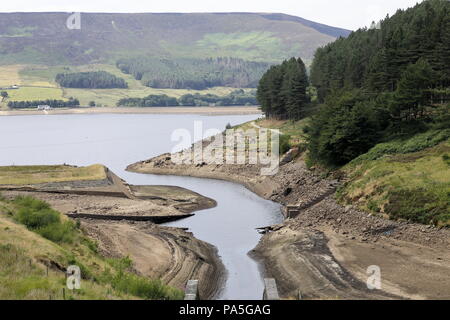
<point>285,144</point>
<point>58,232</point>
<point>401,146</point>
<point>37,216</point>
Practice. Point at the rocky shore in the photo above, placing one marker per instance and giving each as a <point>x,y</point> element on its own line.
<point>325,251</point>
<point>108,210</point>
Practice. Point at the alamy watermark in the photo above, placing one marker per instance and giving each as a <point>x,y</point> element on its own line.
<point>257,146</point>
<point>73,281</point>
<point>73,22</point>
<point>374,279</point>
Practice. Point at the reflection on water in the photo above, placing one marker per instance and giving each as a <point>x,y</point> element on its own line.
<point>119,140</point>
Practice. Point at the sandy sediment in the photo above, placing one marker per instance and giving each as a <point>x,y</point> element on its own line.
<point>326,250</point>
<point>170,254</point>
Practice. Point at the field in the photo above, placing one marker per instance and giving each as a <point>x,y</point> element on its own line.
<point>35,93</point>
<point>23,175</point>
<point>9,75</point>
<point>37,83</point>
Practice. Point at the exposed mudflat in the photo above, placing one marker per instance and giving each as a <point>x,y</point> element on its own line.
<point>325,251</point>
<point>170,254</point>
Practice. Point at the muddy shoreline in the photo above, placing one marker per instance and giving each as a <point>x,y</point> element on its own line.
<point>239,110</point>
<point>324,252</point>
<point>124,220</point>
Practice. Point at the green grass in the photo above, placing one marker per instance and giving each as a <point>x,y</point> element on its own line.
<point>405,179</point>
<point>110,97</point>
<point>35,93</point>
<point>25,175</point>
<point>38,83</point>
<point>37,216</point>
<point>25,255</point>
<point>401,146</point>
<point>412,186</point>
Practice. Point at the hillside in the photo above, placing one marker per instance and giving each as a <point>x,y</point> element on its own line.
<point>38,244</point>
<point>43,38</point>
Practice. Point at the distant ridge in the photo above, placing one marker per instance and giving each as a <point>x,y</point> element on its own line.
<point>322,28</point>
<point>42,38</point>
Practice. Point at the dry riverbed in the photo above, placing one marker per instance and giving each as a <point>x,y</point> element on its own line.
<point>121,217</point>
<point>324,252</point>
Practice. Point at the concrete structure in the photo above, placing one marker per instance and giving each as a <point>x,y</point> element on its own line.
<point>191,292</point>
<point>270,290</point>
<point>292,211</point>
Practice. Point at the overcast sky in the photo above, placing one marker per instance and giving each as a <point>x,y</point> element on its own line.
<point>350,14</point>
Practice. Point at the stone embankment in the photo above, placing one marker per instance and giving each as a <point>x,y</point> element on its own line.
<point>326,248</point>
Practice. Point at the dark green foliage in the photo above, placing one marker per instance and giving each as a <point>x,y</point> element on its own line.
<point>195,74</point>
<point>343,129</point>
<point>282,90</point>
<point>403,204</point>
<point>52,103</point>
<point>404,145</point>
<point>149,101</point>
<point>91,80</point>
<point>446,159</point>
<point>4,94</point>
<point>285,145</point>
<point>235,98</point>
<point>379,85</point>
<point>129,283</point>
<point>37,216</point>
<point>413,91</point>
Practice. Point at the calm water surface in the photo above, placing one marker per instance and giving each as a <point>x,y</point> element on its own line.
<point>119,140</point>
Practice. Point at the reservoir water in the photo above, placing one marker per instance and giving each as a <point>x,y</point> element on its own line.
<point>116,141</point>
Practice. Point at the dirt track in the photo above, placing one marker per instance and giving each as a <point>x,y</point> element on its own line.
<point>303,253</point>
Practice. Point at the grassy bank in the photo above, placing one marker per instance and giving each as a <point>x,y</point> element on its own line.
<point>38,83</point>
<point>26,175</point>
<point>403,179</point>
<point>38,244</point>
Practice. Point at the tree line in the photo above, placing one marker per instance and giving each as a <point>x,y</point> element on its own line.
<point>197,74</point>
<point>90,80</point>
<point>373,86</point>
<point>235,98</point>
<point>49,102</point>
<point>282,90</point>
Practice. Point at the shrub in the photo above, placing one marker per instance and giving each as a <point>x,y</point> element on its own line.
<point>37,216</point>
<point>129,283</point>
